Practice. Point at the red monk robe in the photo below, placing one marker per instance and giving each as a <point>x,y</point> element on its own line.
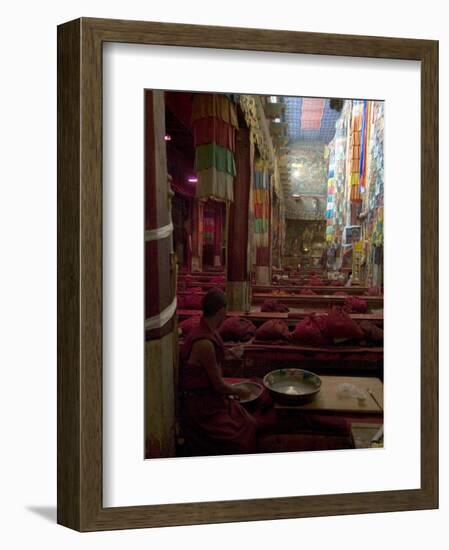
<point>213,423</point>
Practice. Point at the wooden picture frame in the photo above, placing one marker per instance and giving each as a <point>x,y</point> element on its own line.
<point>80,274</point>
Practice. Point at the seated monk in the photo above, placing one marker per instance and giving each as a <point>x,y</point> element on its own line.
<point>212,419</point>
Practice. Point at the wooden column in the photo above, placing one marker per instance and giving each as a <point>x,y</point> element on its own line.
<point>197,235</point>
<point>263,254</point>
<point>218,232</point>
<point>238,272</point>
<point>160,276</point>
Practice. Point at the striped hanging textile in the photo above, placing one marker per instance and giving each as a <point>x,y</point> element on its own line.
<point>214,123</point>
<point>354,153</point>
<point>214,105</point>
<point>261,204</point>
<point>212,155</point>
<point>213,130</point>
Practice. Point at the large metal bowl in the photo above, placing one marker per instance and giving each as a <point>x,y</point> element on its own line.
<point>292,386</point>
<point>253,387</point>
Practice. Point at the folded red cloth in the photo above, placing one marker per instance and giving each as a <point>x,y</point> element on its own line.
<point>308,331</point>
<point>189,324</point>
<point>340,326</point>
<point>372,332</point>
<point>315,281</point>
<point>307,292</point>
<point>274,305</point>
<point>274,329</point>
<point>355,305</point>
<point>237,329</point>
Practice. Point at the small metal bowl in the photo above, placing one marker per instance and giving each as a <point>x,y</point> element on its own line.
<point>255,389</point>
<point>292,386</point>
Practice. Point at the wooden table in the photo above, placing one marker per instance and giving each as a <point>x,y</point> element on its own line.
<point>291,317</point>
<point>362,434</point>
<point>318,301</point>
<point>325,289</point>
<point>329,400</point>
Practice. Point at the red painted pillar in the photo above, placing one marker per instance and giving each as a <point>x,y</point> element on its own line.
<point>238,272</point>
<point>160,275</point>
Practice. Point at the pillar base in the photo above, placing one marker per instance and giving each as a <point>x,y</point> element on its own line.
<point>238,295</point>
<point>159,397</point>
<point>262,275</point>
<point>196,263</point>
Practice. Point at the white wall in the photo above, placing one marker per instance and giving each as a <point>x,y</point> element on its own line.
<point>28,274</point>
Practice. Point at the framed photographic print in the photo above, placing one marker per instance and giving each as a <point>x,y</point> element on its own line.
<point>247,274</point>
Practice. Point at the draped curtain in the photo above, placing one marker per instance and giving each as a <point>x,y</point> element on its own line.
<point>261,209</point>
<point>214,123</point>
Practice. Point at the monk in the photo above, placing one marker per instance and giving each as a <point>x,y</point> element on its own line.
<point>213,420</point>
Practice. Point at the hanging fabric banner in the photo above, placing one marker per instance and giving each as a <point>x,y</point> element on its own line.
<point>212,155</point>
<point>213,130</point>
<point>214,123</point>
<point>214,105</point>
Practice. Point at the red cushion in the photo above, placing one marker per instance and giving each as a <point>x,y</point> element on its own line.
<point>274,305</point>
<point>308,331</point>
<point>189,324</point>
<point>274,329</point>
<point>237,329</point>
<point>355,305</point>
<point>341,327</point>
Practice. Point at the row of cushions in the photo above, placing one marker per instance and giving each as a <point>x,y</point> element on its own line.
<point>335,327</point>
<point>319,330</point>
<point>316,330</point>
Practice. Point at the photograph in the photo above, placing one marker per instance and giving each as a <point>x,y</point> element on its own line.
<point>264,273</point>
